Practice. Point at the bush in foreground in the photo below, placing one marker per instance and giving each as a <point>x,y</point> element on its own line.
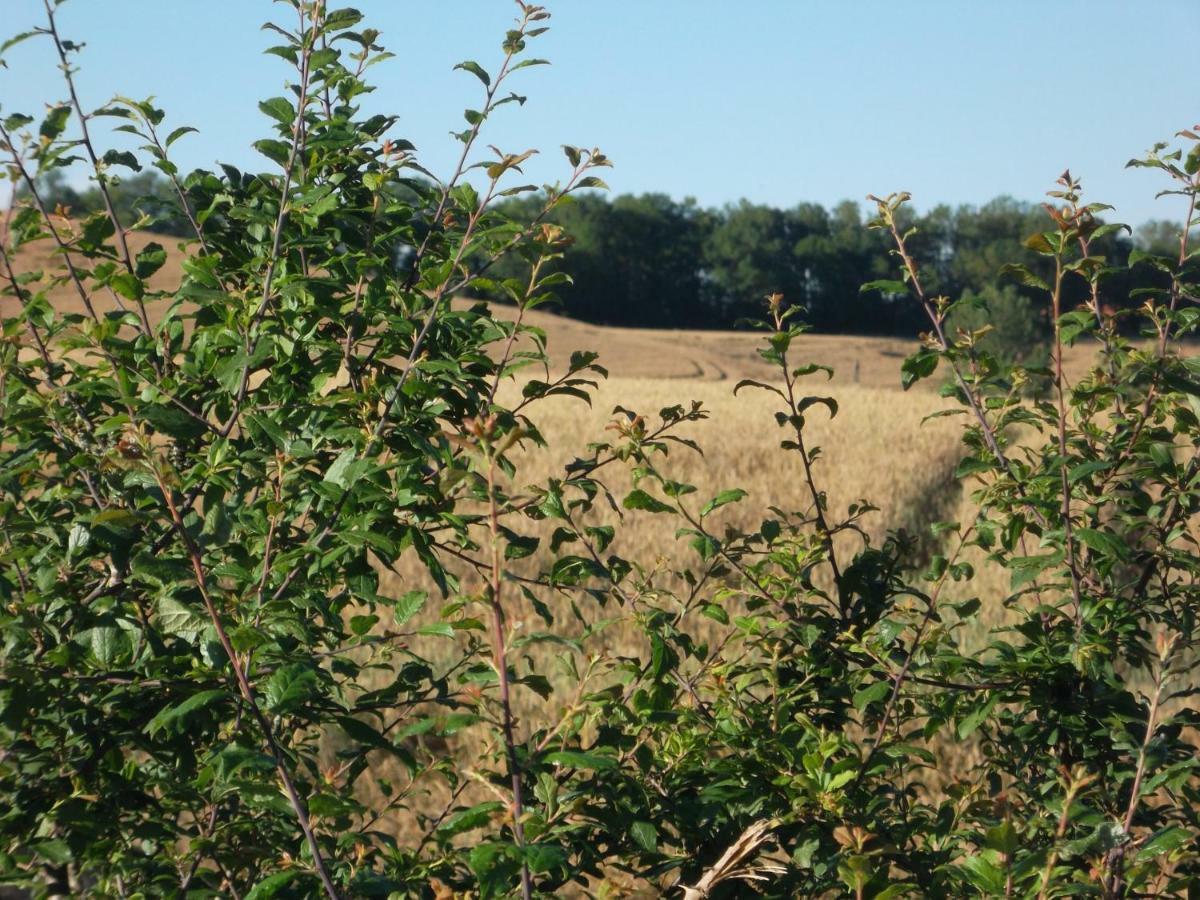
<point>200,677</point>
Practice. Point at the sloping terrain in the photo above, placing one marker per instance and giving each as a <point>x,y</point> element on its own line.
<point>627,352</point>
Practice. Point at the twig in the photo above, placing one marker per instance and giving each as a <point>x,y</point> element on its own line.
<point>101,181</point>
<point>297,141</point>
<point>898,679</point>
<point>501,660</point>
<point>297,802</point>
<point>1064,475</point>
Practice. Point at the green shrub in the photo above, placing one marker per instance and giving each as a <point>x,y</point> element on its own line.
<point>199,486</point>
<point>1015,330</point>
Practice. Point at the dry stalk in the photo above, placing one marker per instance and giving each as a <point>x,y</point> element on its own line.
<point>735,862</point>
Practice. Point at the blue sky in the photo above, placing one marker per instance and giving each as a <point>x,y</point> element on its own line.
<point>779,101</point>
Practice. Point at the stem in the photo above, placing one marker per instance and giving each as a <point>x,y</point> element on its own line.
<point>461,166</point>
<point>817,497</point>
<point>101,182</point>
<point>506,354</point>
<point>898,679</point>
<point>1068,533</point>
<point>385,416</point>
<point>35,195</point>
<point>184,206</point>
<point>77,282</point>
<point>297,802</point>
<point>1183,254</point>
<point>1061,832</point>
<point>1115,863</point>
<point>501,663</point>
<point>297,143</point>
<point>49,380</point>
<point>936,319</point>
<point>1102,324</point>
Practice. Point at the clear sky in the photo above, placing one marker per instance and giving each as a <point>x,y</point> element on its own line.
<point>779,101</point>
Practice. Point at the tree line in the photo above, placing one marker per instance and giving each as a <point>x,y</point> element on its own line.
<point>652,261</point>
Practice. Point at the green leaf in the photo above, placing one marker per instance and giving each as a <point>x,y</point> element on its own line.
<point>885,286</point>
<point>575,759</point>
<point>571,570</point>
<point>178,133</point>
<point>725,497</point>
<point>469,819</point>
<point>872,693</point>
<point>173,719</point>
<point>1025,569</point>
<point>437,629</point>
<point>1103,543</point>
<point>77,539</point>
<point>1043,242</point>
<point>1002,838</point>
<point>338,472</point>
<point>639,499</point>
<point>121,158</point>
<point>363,733</point>
<point>1023,274</point>
<point>279,109</point>
<point>150,259</point>
<point>984,874</point>
<point>919,365</point>
<point>526,63</point>
<point>477,70</point>
<point>645,836</point>
<point>128,286</point>
<point>968,724</point>
<point>828,402</point>
<point>493,864</point>
<point>176,618</point>
<point>17,39</point>
<point>519,546</point>
<point>272,885</point>
<point>276,151</point>
<point>1164,841</point>
<point>172,421</point>
<point>55,121</point>
<point>1083,470</point>
<point>544,858</point>
<point>107,643</point>
<point>55,850</point>
<point>407,606</point>
<point>17,121</point>
<point>290,688</point>
<point>341,19</point>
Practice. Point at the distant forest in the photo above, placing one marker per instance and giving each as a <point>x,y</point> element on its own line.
<point>656,262</point>
<point>653,261</point>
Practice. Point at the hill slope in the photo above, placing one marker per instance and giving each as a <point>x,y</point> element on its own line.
<point>627,352</point>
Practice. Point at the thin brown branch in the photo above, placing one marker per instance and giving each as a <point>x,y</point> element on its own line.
<point>247,691</point>
<point>501,664</point>
<point>898,678</point>
<point>1064,475</point>
<point>937,320</point>
<point>294,151</point>
<point>89,148</point>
